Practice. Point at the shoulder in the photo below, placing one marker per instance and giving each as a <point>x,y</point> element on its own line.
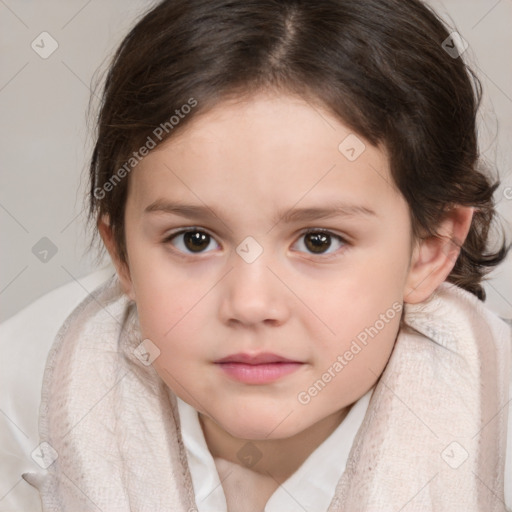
<point>25,340</point>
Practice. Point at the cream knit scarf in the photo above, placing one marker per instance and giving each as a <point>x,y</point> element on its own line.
<point>433,438</point>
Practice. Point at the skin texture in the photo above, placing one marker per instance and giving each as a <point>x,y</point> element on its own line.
<point>247,160</point>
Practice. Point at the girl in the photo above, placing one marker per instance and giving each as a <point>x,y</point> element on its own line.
<point>291,194</point>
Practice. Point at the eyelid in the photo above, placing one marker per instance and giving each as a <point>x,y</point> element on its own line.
<point>327,231</point>
<point>324,256</point>
<point>178,231</point>
<point>188,256</point>
<point>343,238</point>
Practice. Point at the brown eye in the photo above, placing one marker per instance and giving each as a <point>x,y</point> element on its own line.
<point>320,242</point>
<point>190,241</point>
<point>196,241</point>
<point>317,242</point>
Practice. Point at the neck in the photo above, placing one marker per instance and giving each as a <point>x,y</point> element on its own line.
<point>280,458</point>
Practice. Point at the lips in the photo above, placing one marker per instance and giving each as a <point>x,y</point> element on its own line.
<point>260,369</point>
<point>263,358</point>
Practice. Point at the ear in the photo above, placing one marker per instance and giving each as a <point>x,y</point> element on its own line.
<point>434,257</point>
<point>122,268</point>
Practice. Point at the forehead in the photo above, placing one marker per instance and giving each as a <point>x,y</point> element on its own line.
<point>267,151</point>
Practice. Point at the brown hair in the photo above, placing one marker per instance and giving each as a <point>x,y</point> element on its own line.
<point>377,64</point>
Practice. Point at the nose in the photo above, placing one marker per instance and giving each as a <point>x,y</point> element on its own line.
<point>252,294</point>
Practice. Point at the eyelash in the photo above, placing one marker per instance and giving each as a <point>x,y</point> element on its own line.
<point>193,229</point>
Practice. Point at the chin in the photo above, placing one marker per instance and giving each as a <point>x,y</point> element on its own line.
<point>258,427</point>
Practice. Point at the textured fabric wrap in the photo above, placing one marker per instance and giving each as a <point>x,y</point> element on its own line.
<point>433,438</point>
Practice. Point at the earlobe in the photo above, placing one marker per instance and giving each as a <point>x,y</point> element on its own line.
<point>122,269</point>
<point>434,257</point>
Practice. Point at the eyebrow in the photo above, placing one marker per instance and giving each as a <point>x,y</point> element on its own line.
<point>337,209</point>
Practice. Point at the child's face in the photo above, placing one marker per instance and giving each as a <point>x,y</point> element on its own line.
<point>304,298</point>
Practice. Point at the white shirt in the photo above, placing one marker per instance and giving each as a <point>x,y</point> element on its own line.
<point>311,488</point>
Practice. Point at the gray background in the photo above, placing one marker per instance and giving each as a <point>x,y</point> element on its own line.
<point>45,143</point>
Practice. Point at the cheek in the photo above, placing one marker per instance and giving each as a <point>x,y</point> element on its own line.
<point>175,314</point>
<point>363,310</point>
<point>181,340</point>
<point>353,364</point>
<point>359,299</point>
<point>171,321</point>
<point>163,292</point>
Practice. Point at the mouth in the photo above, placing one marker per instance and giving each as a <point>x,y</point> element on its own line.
<point>257,368</point>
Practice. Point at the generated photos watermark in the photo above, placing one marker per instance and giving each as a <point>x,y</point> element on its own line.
<point>304,397</point>
<point>152,141</point>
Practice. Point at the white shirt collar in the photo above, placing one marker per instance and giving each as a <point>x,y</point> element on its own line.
<point>311,488</point>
